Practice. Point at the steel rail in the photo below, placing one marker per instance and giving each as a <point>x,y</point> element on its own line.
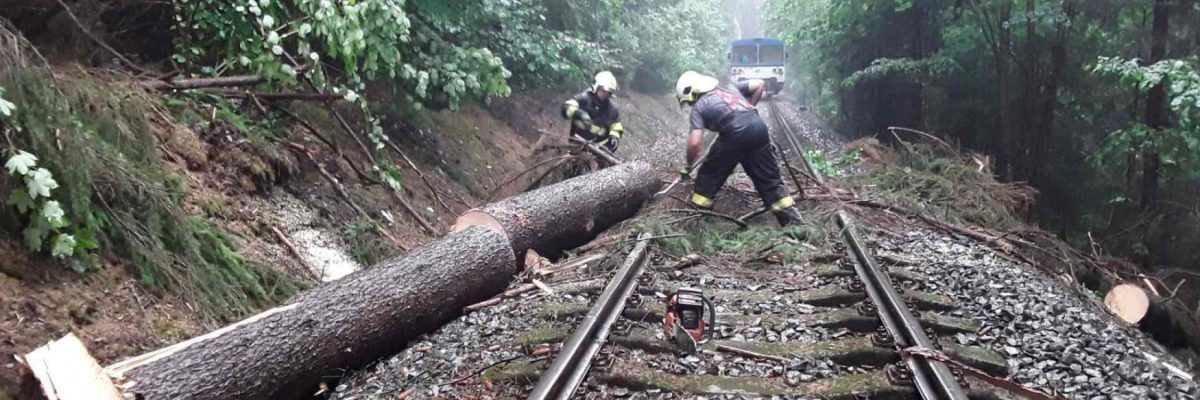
<point>933,378</point>
<point>795,143</point>
<point>563,376</point>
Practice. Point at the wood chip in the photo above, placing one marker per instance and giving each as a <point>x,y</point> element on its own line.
<point>543,287</point>
<point>687,261</point>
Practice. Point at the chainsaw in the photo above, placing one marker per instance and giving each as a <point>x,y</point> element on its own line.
<point>684,323</point>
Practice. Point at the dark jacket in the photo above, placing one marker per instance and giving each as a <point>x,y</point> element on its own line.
<point>605,117</point>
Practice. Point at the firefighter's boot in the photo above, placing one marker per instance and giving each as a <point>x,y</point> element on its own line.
<point>788,217</point>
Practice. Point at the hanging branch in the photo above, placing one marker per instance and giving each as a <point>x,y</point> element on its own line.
<point>99,42</point>
<point>420,174</point>
<point>201,83</point>
<point>333,181</point>
<point>526,171</point>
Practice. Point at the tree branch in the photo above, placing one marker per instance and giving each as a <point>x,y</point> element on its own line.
<point>90,35</point>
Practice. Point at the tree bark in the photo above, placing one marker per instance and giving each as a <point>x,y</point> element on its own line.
<point>1156,104</point>
<point>1049,99</point>
<point>1007,133</point>
<point>1031,76</point>
<point>569,213</point>
<point>918,54</point>
<point>284,352</point>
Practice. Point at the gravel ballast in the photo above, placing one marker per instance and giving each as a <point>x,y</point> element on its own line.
<point>1056,338</point>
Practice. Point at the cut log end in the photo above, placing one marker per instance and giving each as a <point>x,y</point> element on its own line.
<point>1127,301</point>
<point>64,370</point>
<point>478,218</point>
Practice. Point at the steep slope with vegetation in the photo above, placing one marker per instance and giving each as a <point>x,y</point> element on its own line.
<point>170,168</point>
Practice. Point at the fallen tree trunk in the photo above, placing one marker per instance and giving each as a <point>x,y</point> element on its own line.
<point>285,351</point>
<point>569,213</point>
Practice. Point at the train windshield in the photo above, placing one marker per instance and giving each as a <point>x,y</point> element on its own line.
<point>771,54</point>
<point>745,54</point>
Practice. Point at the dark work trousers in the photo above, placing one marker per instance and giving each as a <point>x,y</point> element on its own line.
<point>752,149</point>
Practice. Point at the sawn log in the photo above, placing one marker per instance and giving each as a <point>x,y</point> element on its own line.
<point>569,213</point>
<point>284,352</point>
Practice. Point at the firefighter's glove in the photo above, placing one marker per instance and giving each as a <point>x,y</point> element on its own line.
<point>685,173</point>
<point>611,144</point>
<point>583,120</point>
<point>599,130</point>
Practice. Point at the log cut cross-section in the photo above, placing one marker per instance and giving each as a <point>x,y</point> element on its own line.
<point>569,213</point>
<point>284,352</point>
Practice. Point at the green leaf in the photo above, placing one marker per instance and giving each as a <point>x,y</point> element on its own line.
<point>21,199</point>
<point>41,182</point>
<point>20,163</point>
<point>64,246</point>
<point>35,233</point>
<point>52,212</point>
<point>85,240</point>
<point>6,107</point>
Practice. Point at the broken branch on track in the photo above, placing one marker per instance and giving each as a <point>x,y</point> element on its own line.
<point>750,354</point>
<point>936,139</point>
<point>740,223</point>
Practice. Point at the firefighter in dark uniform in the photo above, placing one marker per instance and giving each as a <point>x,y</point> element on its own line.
<point>743,139</point>
<point>593,114</point>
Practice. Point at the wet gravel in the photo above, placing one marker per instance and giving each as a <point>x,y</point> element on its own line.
<point>1056,338</point>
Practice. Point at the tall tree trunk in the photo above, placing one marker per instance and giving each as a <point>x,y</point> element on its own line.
<point>1058,62</point>
<point>918,53</point>
<point>1029,101</point>
<point>1156,105</point>
<point>1007,133</point>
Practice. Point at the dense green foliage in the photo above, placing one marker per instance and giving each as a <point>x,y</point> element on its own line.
<point>1178,144</point>
<point>1064,93</point>
<point>440,54</point>
<point>437,54</point>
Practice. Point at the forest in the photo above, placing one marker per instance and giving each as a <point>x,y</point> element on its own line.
<point>1095,104</point>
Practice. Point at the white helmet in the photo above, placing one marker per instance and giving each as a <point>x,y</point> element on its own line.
<point>605,81</point>
<point>691,85</point>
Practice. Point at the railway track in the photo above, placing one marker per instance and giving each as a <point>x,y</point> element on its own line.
<point>857,314</point>
<point>900,329</point>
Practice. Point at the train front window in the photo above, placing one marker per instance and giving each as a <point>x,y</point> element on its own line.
<point>745,55</point>
<point>771,54</point>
